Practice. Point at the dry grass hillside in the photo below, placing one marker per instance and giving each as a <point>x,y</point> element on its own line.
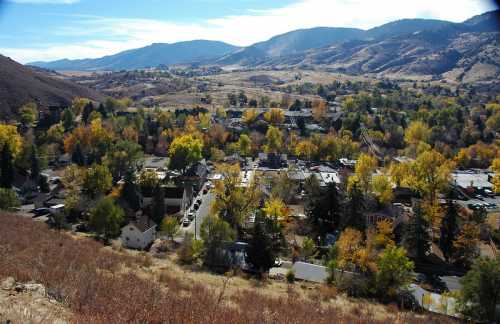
<point>97,284</point>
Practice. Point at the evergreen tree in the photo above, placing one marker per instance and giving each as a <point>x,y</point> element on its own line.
<point>324,209</point>
<point>44,184</point>
<point>35,164</point>
<point>7,171</point>
<point>158,209</point>
<point>449,230</point>
<point>354,216</point>
<point>260,252</point>
<point>130,192</point>
<point>78,157</point>
<point>68,119</point>
<point>417,240</point>
<point>87,110</point>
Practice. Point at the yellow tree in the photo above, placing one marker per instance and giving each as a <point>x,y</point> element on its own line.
<point>495,166</point>
<point>348,246</point>
<point>10,136</point>
<point>382,188</point>
<point>205,120</point>
<point>274,140</point>
<point>250,116</point>
<point>416,133</point>
<point>276,208</point>
<point>364,169</point>
<point>399,173</point>
<point>319,110</point>
<point>306,149</point>
<point>384,235</point>
<point>275,116</point>
<point>234,201</point>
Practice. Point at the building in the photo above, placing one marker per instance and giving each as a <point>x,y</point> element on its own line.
<point>472,180</point>
<point>138,234</point>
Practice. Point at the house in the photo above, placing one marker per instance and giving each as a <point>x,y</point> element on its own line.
<point>273,161</point>
<point>197,174</point>
<point>138,234</point>
<point>178,199</point>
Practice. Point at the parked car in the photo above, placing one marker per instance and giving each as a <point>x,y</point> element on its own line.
<point>191,215</point>
<point>185,222</point>
<point>196,206</point>
<point>205,191</point>
<point>41,211</point>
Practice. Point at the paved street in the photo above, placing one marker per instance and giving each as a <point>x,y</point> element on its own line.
<point>201,213</point>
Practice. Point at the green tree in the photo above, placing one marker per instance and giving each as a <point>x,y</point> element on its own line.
<point>274,139</point>
<point>394,271</point>
<point>7,167</point>
<point>28,114</point>
<point>158,209</point>
<point>354,215</point>
<point>68,119</point>
<point>465,246</point>
<point>97,181</point>
<point>449,230</point>
<point>78,157</point>
<point>244,145</point>
<point>8,199</point>
<point>170,227</point>
<point>106,218</point>
<point>123,156</point>
<point>216,234</point>
<point>130,193</point>
<point>35,164</point>
<point>260,251</point>
<point>190,249</point>
<point>324,209</point>
<point>184,152</point>
<point>308,249</point>
<point>480,292</point>
<point>417,239</point>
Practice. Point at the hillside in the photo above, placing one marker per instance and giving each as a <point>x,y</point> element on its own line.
<point>103,285</point>
<point>20,84</point>
<point>149,56</point>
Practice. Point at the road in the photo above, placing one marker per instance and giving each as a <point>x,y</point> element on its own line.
<point>201,213</point>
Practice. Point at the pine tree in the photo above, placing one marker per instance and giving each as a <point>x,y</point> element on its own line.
<point>87,110</point>
<point>158,208</point>
<point>417,240</point>
<point>260,252</point>
<point>130,192</point>
<point>7,171</point>
<point>325,210</point>
<point>354,216</point>
<point>78,157</point>
<point>35,164</point>
<point>449,230</point>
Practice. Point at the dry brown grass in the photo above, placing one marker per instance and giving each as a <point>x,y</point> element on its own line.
<point>100,285</point>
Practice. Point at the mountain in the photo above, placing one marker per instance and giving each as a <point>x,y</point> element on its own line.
<point>303,40</point>
<point>149,56</point>
<point>467,51</point>
<point>20,84</point>
<point>290,43</point>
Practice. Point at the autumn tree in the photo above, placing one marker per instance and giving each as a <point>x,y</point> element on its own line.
<point>319,110</point>
<point>364,169</point>
<point>384,235</point>
<point>10,136</point>
<point>244,145</point>
<point>308,249</point>
<point>306,150</point>
<point>170,227</point>
<point>234,202</point>
<point>382,188</point>
<point>250,116</point>
<point>348,245</point>
<point>184,152</point>
<point>276,209</point>
<point>274,140</point>
<point>466,245</point>
<point>275,116</point>
<point>354,212</point>
<point>123,156</point>
<point>417,132</point>
<point>97,181</point>
<point>495,166</point>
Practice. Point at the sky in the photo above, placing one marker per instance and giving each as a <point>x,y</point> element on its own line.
<point>46,30</point>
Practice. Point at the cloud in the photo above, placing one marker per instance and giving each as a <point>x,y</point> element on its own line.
<point>254,26</point>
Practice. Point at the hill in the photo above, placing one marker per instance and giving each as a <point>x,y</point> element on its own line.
<point>99,284</point>
<point>20,84</point>
<point>149,56</point>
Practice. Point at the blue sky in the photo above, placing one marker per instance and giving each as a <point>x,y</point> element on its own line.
<point>54,29</point>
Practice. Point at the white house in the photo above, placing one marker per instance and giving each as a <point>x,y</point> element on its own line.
<point>138,235</point>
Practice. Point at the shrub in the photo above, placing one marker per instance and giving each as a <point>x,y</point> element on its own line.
<point>8,199</point>
<point>290,276</point>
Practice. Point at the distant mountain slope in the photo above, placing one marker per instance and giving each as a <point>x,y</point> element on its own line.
<point>20,84</point>
<point>291,43</point>
<point>466,51</point>
<point>149,56</point>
